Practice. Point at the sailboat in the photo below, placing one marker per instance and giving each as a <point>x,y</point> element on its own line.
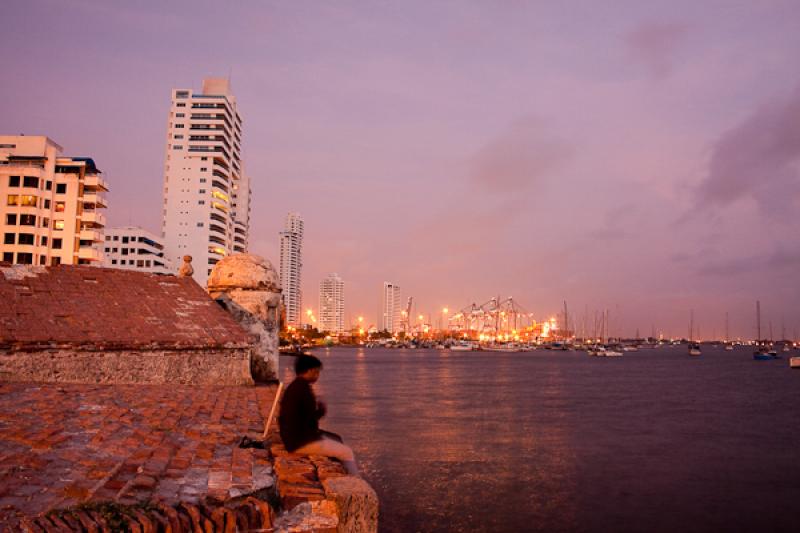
<point>762,354</point>
<point>694,348</point>
<point>728,343</point>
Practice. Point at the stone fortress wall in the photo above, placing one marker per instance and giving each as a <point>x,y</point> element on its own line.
<point>85,325</point>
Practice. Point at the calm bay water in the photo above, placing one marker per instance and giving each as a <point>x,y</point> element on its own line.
<point>560,441</point>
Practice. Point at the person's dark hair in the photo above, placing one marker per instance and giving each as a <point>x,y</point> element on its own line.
<point>303,363</point>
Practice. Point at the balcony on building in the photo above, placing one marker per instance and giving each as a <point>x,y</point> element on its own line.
<point>90,234</point>
<point>93,218</point>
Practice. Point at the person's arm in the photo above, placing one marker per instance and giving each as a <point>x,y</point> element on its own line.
<point>321,409</point>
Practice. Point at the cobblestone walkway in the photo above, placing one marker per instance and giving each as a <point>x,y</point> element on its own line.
<point>61,445</point>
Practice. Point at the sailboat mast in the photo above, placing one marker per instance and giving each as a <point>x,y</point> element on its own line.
<point>727,334</point>
<point>691,324</point>
<point>758,321</point>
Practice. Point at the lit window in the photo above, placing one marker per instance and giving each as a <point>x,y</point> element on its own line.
<point>58,224</point>
<point>13,199</point>
<point>28,200</point>
<point>60,206</point>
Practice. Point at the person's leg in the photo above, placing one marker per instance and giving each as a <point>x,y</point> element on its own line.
<point>331,448</point>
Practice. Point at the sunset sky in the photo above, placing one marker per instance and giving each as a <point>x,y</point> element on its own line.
<point>641,157</point>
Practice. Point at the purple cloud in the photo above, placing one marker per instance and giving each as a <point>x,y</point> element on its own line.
<point>519,157</point>
<point>759,159</point>
<point>654,43</point>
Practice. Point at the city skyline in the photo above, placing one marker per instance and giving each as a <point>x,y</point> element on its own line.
<point>639,158</point>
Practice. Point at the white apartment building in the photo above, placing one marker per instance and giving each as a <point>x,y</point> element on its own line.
<point>241,214</point>
<point>331,304</point>
<point>206,194</point>
<point>135,248</point>
<point>50,208</point>
<point>390,308</point>
<point>291,268</point>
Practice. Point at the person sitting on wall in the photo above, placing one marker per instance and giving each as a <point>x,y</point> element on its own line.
<point>300,414</point>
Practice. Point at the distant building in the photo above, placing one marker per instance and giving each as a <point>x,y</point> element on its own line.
<point>390,307</point>
<point>135,248</point>
<point>50,209</point>
<point>291,268</point>
<point>206,194</point>
<point>331,304</point>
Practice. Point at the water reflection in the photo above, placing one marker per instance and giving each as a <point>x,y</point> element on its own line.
<point>564,442</point>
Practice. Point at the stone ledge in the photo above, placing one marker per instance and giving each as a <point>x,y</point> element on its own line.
<point>317,495</point>
<point>221,366</point>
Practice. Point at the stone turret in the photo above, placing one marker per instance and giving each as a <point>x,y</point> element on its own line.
<point>247,286</point>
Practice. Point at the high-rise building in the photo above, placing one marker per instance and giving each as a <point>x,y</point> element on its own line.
<point>390,307</point>
<point>50,209</point>
<point>331,304</point>
<point>135,248</point>
<point>206,196</point>
<point>291,268</point>
<point>241,214</point>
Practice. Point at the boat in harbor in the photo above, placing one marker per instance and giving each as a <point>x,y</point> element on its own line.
<point>508,347</point>
<point>728,343</point>
<point>694,347</point>
<point>763,351</point>
<point>794,362</point>
<point>462,347</point>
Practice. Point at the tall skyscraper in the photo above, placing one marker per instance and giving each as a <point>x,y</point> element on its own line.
<point>206,195</point>
<point>50,212</point>
<point>331,304</point>
<point>291,268</point>
<point>390,307</point>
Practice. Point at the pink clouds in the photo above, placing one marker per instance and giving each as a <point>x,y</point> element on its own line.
<point>654,45</point>
<point>758,159</point>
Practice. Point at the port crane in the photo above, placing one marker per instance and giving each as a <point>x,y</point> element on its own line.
<point>405,321</point>
<point>493,316</point>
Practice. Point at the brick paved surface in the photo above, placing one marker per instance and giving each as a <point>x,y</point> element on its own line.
<point>61,445</point>
<point>108,309</point>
